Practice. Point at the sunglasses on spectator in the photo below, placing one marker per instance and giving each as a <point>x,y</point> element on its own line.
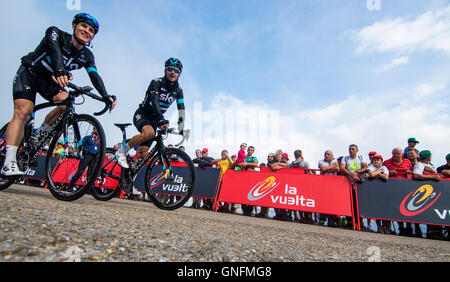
<point>175,70</point>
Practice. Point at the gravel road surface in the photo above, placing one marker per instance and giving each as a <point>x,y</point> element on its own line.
<point>36,227</point>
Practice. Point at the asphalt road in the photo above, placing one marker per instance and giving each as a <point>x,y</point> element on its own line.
<point>36,227</point>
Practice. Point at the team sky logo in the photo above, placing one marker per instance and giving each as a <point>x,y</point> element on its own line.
<point>419,201</point>
<point>262,189</point>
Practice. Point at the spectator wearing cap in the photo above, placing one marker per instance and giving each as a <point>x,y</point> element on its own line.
<point>376,168</point>
<point>419,173</point>
<point>371,155</point>
<point>423,167</point>
<point>412,143</point>
<point>397,164</point>
<point>445,169</point>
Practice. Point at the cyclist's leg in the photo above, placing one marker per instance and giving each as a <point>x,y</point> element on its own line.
<point>24,95</point>
<point>141,152</point>
<point>147,128</point>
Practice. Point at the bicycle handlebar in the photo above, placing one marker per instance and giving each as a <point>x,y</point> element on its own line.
<point>185,133</point>
<point>86,90</point>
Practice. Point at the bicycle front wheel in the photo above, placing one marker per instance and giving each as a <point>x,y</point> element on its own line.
<point>76,171</point>
<point>170,179</point>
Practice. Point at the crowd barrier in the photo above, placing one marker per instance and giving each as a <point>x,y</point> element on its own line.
<point>289,189</point>
<point>398,199</point>
<point>405,200</point>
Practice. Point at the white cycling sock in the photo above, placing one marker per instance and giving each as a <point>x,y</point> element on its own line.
<point>11,152</point>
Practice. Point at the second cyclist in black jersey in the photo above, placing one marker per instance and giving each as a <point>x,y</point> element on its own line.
<point>47,71</point>
<point>161,94</point>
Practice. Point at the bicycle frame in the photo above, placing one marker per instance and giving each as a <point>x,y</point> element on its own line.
<point>33,148</point>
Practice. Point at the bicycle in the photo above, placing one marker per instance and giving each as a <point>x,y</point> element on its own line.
<point>169,178</point>
<point>69,129</point>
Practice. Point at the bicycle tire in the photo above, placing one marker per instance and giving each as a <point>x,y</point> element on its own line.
<point>106,194</point>
<point>55,187</point>
<point>5,183</point>
<point>158,199</point>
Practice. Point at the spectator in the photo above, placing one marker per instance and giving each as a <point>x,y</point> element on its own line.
<point>299,162</point>
<point>196,202</point>
<point>412,142</point>
<point>276,164</point>
<point>241,154</point>
<point>328,166</point>
<point>377,169</point>
<point>198,157</point>
<point>250,163</point>
<point>90,149</point>
<point>264,210</point>
<point>182,148</point>
<point>234,158</point>
<point>59,150</point>
<point>224,163</point>
<point>205,162</point>
<point>371,155</point>
<point>423,166</point>
<point>397,164</point>
<point>353,165</point>
<point>445,169</point>
<point>413,156</point>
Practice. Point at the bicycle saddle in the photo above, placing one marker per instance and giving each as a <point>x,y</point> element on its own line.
<point>122,126</point>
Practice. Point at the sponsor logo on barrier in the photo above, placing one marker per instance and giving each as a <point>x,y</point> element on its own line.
<point>291,195</point>
<point>263,189</point>
<point>419,201</point>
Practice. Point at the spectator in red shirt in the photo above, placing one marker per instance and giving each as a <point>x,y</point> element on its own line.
<point>397,164</point>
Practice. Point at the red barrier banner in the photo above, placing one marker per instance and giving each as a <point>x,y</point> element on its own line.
<point>67,168</point>
<point>288,190</point>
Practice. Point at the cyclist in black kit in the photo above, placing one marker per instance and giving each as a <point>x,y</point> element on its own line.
<point>46,71</point>
<point>160,95</point>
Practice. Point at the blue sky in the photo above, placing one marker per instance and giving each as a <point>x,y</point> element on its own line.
<point>336,72</point>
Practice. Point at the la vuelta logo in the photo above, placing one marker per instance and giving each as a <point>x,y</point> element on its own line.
<point>419,201</point>
<point>263,189</point>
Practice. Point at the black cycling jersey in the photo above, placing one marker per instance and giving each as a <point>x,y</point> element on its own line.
<point>56,55</point>
<point>160,95</point>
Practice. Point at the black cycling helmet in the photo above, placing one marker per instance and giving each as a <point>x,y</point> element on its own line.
<point>172,62</point>
<point>86,18</point>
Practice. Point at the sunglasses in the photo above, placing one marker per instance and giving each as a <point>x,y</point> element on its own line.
<point>175,70</point>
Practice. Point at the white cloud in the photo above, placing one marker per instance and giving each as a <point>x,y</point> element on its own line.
<point>429,31</point>
<point>393,64</point>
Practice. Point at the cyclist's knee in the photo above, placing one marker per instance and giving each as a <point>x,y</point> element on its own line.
<point>148,132</point>
<point>22,110</point>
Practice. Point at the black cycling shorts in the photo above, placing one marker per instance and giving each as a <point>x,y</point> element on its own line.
<point>142,119</point>
<point>27,84</point>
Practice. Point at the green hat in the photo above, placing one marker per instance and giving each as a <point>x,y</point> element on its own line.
<point>425,154</point>
<point>413,140</point>
<point>447,157</point>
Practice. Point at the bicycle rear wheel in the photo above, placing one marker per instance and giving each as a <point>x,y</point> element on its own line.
<point>170,179</point>
<point>72,162</point>
<point>4,181</point>
<point>108,182</point>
